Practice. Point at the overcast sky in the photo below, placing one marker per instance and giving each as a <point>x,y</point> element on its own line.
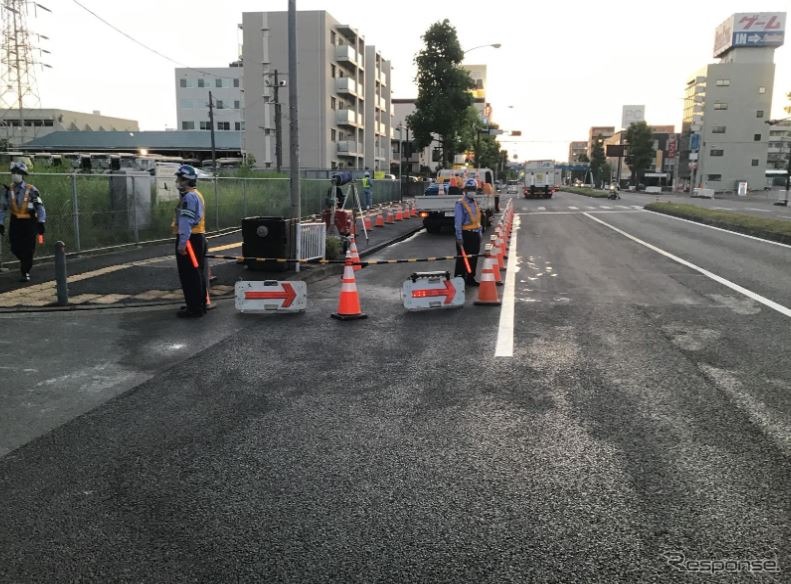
<point>564,66</point>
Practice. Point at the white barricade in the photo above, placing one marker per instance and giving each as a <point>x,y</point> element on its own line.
<point>271,296</point>
<point>313,240</point>
<point>430,290</point>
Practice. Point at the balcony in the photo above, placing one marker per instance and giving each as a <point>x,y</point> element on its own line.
<point>346,53</point>
<point>381,128</point>
<point>383,79</point>
<point>381,103</point>
<point>346,117</point>
<point>345,85</point>
<point>348,148</point>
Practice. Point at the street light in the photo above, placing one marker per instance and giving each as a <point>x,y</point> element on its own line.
<point>493,45</point>
<point>784,203</point>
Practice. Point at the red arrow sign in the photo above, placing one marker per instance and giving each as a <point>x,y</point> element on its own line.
<point>449,292</point>
<point>287,294</point>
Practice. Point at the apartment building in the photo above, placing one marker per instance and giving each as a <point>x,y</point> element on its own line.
<point>576,149</point>
<point>726,104</point>
<point>192,98</point>
<point>596,133</point>
<point>343,92</point>
<point>31,123</point>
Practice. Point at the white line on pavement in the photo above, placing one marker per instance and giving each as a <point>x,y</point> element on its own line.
<point>505,330</point>
<point>725,230</point>
<point>749,293</point>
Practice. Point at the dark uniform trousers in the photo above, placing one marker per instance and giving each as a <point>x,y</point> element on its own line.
<point>22,234</point>
<point>193,281</point>
<point>472,246</point>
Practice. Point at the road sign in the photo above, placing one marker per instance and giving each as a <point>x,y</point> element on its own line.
<point>430,290</point>
<point>271,296</point>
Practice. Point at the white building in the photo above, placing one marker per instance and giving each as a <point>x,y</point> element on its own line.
<point>192,98</point>
<point>343,87</point>
<point>31,123</point>
<point>724,134</point>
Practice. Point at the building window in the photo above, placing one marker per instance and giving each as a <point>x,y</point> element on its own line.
<point>220,104</point>
<point>716,152</point>
<point>333,37</point>
<point>720,106</point>
<point>205,126</point>
<point>759,114</point>
<point>332,71</point>
<point>723,82</point>
<point>754,162</point>
<point>237,126</point>
<point>333,103</point>
<point>236,104</point>
<point>48,123</point>
<point>333,135</point>
<point>201,83</point>
<point>187,125</point>
<point>218,82</point>
<point>713,177</point>
<point>762,90</point>
<point>718,129</point>
<point>756,137</point>
<point>224,126</point>
<point>182,83</point>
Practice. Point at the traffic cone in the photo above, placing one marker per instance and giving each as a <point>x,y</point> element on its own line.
<point>354,254</point>
<point>399,214</point>
<point>349,300</point>
<point>487,291</point>
<point>492,250</point>
<point>380,221</point>
<point>389,217</point>
<point>367,222</point>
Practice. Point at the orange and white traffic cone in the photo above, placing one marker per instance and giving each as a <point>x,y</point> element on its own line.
<point>354,254</point>
<point>399,214</point>
<point>487,291</point>
<point>367,222</point>
<point>380,221</point>
<point>349,300</point>
<point>389,217</point>
<point>491,249</point>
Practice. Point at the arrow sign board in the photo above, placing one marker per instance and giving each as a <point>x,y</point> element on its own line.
<point>271,296</point>
<point>430,290</point>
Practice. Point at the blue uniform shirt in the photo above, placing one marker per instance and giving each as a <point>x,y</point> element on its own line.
<point>461,216</point>
<point>189,215</point>
<point>34,202</point>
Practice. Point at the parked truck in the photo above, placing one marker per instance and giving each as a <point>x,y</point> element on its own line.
<point>539,179</point>
<point>437,207</point>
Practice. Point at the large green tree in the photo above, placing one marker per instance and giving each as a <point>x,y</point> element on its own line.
<point>640,150</point>
<point>598,160</point>
<point>443,91</point>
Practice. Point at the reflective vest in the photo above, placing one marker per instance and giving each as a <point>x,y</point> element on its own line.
<point>366,182</point>
<point>200,227</point>
<point>22,211</point>
<point>475,220</point>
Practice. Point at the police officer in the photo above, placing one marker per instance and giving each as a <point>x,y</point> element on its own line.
<point>367,190</point>
<point>190,227</point>
<point>28,216</point>
<point>467,223</point>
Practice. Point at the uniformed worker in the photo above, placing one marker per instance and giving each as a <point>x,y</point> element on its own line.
<point>190,226</point>
<point>368,193</point>
<point>467,223</point>
<point>23,201</point>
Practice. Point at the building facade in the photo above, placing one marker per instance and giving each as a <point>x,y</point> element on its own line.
<point>596,133</point>
<point>21,127</point>
<point>577,149</point>
<point>727,104</point>
<point>192,98</point>
<point>338,111</point>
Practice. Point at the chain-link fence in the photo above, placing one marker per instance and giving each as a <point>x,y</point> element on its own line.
<point>94,211</point>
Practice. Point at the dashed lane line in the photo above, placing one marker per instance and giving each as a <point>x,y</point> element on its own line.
<point>505,329</point>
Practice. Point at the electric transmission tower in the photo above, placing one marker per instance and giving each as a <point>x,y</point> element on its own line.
<point>18,59</point>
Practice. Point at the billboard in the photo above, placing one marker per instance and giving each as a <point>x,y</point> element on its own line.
<point>615,150</point>
<point>631,114</point>
<point>750,29</point>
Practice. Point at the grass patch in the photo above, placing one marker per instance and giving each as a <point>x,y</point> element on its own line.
<point>585,192</point>
<point>772,229</point>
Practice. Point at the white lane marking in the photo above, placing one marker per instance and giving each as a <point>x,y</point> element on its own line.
<point>505,330</point>
<point>749,293</point>
<point>725,230</point>
<point>542,208</point>
<point>573,208</point>
<point>605,207</point>
<point>759,210</point>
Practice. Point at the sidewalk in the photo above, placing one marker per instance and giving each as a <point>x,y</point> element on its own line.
<point>147,276</point>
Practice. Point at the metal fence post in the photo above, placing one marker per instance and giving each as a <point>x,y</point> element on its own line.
<point>134,212</point>
<point>75,210</point>
<point>60,274</point>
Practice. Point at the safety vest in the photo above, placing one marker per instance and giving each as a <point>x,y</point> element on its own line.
<point>200,227</point>
<point>366,182</point>
<point>21,211</point>
<point>475,221</point>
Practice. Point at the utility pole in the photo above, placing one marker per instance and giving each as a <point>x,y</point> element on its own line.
<point>278,126</point>
<point>293,124</point>
<point>211,126</point>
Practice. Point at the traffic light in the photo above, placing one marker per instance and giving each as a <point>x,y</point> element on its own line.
<point>516,132</point>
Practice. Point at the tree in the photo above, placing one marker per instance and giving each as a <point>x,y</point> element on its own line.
<point>582,158</point>
<point>598,160</point>
<point>443,95</point>
<point>640,150</point>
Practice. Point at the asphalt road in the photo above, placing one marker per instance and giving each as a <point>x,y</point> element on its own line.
<point>644,413</point>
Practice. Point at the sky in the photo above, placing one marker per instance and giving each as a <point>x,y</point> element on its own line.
<point>563,66</point>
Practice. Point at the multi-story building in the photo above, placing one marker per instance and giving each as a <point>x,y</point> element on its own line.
<point>337,110</point>
<point>779,147</point>
<point>577,149</point>
<point>20,127</point>
<point>726,104</point>
<point>596,133</point>
<point>192,98</point>
<point>661,172</point>
<point>405,160</point>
